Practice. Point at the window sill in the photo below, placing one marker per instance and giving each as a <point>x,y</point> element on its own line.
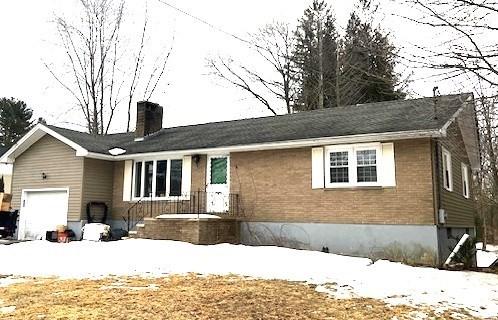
<point>160,199</point>
<point>358,188</point>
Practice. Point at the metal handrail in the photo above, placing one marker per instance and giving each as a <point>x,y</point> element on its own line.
<point>195,202</point>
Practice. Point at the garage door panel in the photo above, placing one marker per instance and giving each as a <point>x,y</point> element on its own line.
<point>42,211</point>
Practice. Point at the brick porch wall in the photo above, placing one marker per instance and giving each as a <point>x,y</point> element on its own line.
<point>197,231</point>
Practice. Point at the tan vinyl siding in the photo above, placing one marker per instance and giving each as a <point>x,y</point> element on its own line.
<point>459,209</point>
<point>119,206</point>
<point>97,183</point>
<point>59,162</point>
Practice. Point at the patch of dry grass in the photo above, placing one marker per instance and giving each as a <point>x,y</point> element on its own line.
<point>186,297</point>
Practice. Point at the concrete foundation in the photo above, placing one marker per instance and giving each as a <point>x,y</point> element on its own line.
<point>406,243</point>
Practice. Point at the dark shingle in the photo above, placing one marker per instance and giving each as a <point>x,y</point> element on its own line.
<point>3,150</point>
<point>391,116</point>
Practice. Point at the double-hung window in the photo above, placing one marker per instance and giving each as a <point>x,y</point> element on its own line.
<point>447,170</point>
<point>465,181</point>
<point>157,179</point>
<point>352,165</point>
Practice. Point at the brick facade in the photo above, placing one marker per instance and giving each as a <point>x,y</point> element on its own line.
<point>275,185</point>
<point>197,231</point>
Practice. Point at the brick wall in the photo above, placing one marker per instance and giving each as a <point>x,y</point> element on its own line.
<point>198,231</point>
<point>275,185</point>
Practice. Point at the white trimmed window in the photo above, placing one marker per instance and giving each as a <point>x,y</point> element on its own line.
<point>447,170</point>
<point>157,179</point>
<point>465,181</point>
<point>354,165</point>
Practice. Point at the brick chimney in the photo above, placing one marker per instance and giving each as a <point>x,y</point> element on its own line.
<point>149,119</point>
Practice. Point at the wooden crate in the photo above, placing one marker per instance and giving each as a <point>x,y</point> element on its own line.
<point>5,199</point>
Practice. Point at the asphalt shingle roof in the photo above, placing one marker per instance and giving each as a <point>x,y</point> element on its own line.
<point>380,117</point>
<point>3,150</point>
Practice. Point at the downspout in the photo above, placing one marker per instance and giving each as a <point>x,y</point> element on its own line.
<point>435,178</point>
<point>436,193</point>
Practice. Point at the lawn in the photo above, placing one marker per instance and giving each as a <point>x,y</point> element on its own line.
<point>189,297</point>
<point>284,282</point>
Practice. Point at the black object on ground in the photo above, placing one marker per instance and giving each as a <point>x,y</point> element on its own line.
<point>8,223</point>
<point>96,211</point>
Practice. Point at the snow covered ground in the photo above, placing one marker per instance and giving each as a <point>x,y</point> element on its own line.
<point>337,275</point>
<point>488,257</point>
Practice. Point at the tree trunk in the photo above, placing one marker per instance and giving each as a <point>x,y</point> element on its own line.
<point>320,64</point>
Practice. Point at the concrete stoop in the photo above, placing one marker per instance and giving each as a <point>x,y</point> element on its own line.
<point>193,230</point>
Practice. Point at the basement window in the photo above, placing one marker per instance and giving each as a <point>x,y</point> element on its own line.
<point>157,179</point>
<point>447,170</point>
<point>465,181</point>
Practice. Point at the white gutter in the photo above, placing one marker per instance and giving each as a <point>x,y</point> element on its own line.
<point>372,137</point>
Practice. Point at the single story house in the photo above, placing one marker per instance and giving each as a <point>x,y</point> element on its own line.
<point>389,179</point>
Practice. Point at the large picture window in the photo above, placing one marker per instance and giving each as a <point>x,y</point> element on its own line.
<point>175,181</point>
<point>157,179</point>
<point>352,165</point>
<point>161,178</point>
<point>137,186</point>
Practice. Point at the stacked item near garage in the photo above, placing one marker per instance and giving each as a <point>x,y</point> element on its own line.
<point>8,217</point>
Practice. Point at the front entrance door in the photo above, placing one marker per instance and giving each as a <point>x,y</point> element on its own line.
<point>217,188</point>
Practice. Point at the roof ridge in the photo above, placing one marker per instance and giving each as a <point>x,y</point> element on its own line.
<point>369,104</point>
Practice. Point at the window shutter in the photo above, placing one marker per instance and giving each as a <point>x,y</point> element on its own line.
<point>186,175</point>
<point>127,183</point>
<point>317,172</point>
<point>388,167</point>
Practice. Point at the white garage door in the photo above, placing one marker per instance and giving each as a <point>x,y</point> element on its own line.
<point>42,211</point>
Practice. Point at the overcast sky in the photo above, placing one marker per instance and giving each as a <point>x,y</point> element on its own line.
<point>188,94</point>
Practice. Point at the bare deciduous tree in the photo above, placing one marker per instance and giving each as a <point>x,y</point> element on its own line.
<point>469,49</point>
<point>471,32</point>
<point>94,50</point>
<point>273,43</point>
<point>487,177</point>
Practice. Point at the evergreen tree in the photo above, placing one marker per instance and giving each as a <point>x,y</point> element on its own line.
<point>315,58</point>
<point>15,121</point>
<point>367,63</point>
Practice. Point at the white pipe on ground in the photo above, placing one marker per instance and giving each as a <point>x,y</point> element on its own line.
<point>456,249</point>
